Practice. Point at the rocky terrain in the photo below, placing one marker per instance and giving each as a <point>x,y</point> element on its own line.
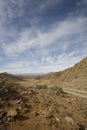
<point>40,107</point>
<point>41,103</point>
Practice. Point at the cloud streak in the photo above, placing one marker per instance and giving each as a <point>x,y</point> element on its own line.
<point>58,63</point>
<point>42,36</point>
<point>33,37</point>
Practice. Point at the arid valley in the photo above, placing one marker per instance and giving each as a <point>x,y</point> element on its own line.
<point>55,101</point>
<point>43,64</point>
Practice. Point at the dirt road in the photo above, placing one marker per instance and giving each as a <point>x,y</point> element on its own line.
<point>79,93</point>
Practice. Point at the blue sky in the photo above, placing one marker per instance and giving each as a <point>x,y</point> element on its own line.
<point>41,36</point>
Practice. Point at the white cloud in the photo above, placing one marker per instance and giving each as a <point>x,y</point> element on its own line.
<point>33,37</point>
<point>47,64</point>
<point>54,39</point>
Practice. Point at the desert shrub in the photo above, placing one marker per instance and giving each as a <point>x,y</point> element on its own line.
<point>59,91</point>
<point>55,90</point>
<point>10,86</point>
<point>41,86</point>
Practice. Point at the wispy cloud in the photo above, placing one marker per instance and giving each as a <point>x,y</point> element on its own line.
<point>46,65</point>
<point>38,36</point>
<point>32,37</point>
<point>11,8</point>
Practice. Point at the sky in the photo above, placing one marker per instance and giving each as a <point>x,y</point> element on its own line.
<point>42,36</point>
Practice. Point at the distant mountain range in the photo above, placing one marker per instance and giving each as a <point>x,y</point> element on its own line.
<point>14,77</point>
<point>7,76</point>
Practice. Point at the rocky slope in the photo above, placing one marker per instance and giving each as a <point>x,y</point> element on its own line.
<point>75,76</point>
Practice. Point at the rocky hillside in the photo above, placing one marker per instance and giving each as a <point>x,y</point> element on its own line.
<point>7,76</point>
<point>75,76</point>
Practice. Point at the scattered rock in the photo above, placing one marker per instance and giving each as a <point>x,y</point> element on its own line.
<point>9,119</point>
<point>41,108</point>
<point>21,105</point>
<point>18,101</point>
<point>70,120</point>
<point>49,115</point>
<point>26,110</point>
<point>19,108</point>
<point>57,119</point>
<point>11,114</point>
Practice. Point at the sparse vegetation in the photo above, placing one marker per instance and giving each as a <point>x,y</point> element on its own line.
<point>55,90</point>
<point>41,86</point>
<point>41,104</point>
